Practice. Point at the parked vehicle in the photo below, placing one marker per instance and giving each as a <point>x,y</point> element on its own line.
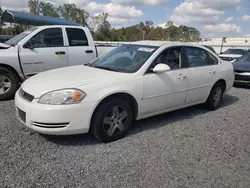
<point>232,54</point>
<point>44,48</point>
<point>242,70</point>
<point>131,82</point>
<point>4,38</point>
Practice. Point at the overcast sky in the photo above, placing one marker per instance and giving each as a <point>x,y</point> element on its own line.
<point>213,18</point>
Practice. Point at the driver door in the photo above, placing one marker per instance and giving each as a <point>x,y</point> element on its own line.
<point>44,51</point>
<point>168,90</point>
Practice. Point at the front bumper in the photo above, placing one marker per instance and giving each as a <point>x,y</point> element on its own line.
<point>241,79</point>
<point>54,119</point>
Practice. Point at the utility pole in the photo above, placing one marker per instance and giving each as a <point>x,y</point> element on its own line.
<point>223,41</point>
<point>143,35</point>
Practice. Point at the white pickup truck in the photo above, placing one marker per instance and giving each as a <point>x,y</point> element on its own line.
<point>44,48</point>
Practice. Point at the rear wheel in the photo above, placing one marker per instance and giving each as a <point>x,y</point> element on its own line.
<point>112,120</point>
<point>215,97</point>
<point>9,84</point>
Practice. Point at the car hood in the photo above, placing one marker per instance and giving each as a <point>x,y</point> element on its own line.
<point>69,77</point>
<point>241,66</point>
<point>4,46</point>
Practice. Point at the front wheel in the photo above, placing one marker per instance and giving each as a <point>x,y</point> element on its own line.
<point>9,84</point>
<point>215,97</point>
<point>112,120</point>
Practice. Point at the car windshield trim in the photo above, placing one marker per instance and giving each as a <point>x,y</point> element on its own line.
<point>105,68</point>
<point>127,58</point>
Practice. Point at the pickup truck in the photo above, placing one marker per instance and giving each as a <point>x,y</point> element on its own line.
<point>44,48</point>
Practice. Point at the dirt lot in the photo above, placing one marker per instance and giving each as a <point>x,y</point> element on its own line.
<point>187,148</point>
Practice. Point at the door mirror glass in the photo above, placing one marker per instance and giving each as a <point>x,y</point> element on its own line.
<point>160,68</point>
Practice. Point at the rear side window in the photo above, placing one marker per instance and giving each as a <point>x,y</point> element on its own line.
<point>77,37</point>
<point>198,57</point>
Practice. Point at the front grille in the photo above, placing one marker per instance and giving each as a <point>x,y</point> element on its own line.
<point>242,71</point>
<point>242,77</point>
<point>238,71</point>
<point>26,95</point>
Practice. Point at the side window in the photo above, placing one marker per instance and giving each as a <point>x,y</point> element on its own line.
<point>77,37</point>
<point>48,38</point>
<point>212,60</point>
<point>197,57</point>
<point>171,57</point>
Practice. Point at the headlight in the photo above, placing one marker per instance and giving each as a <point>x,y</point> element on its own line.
<point>65,96</point>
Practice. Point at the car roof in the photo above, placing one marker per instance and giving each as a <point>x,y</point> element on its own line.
<point>165,43</point>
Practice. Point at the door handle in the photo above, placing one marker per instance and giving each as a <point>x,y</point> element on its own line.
<point>89,51</point>
<point>60,53</point>
<point>182,77</point>
<point>213,72</point>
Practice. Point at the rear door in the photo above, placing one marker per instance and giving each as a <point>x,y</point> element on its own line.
<point>202,73</point>
<point>81,49</point>
<point>44,51</point>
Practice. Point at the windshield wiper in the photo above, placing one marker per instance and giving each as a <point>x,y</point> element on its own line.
<point>10,44</point>
<point>106,68</point>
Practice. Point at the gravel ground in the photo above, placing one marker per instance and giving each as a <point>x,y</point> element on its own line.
<point>187,148</point>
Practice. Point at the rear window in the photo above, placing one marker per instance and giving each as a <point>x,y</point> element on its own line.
<point>77,37</point>
<point>234,51</point>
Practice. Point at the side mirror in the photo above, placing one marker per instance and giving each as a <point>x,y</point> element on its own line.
<point>160,68</point>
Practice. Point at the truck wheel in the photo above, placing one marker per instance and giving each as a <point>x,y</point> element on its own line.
<point>9,84</point>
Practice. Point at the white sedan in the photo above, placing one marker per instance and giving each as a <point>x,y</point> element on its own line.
<point>131,82</point>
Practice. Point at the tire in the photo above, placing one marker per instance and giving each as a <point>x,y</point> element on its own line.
<point>102,130</point>
<point>9,84</point>
<point>214,100</point>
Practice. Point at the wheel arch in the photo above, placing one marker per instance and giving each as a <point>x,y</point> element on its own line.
<point>121,95</point>
<point>223,82</point>
<point>11,69</point>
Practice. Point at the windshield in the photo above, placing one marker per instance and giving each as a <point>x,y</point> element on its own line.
<point>245,58</point>
<point>234,51</point>
<point>15,40</point>
<point>126,58</point>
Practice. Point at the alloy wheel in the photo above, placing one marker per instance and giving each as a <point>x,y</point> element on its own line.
<point>114,121</point>
<point>217,96</point>
<point>5,84</point>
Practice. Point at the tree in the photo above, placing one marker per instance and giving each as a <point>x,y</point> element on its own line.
<point>173,33</point>
<point>34,6</point>
<point>145,28</point>
<point>169,24</point>
<point>95,22</point>
<point>1,22</point>
<point>104,28</point>
<point>1,12</point>
<point>148,25</point>
<point>71,12</point>
<point>47,9</point>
